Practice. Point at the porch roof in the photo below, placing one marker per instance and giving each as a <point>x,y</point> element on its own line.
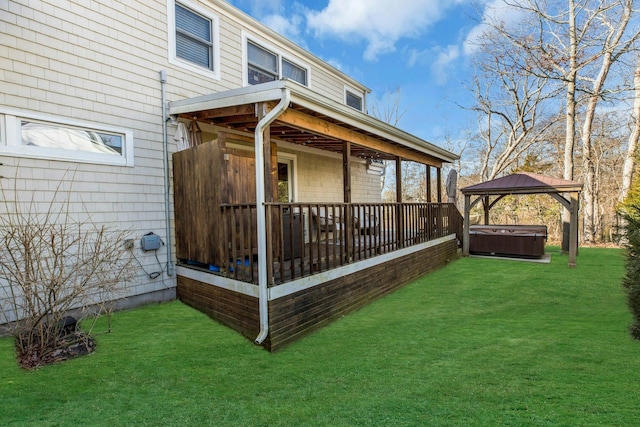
<point>312,120</point>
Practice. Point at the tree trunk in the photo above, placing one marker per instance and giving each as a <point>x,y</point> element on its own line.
<point>630,158</point>
<point>570,131</point>
<point>590,185</point>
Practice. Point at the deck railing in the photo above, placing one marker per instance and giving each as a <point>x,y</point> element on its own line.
<point>308,238</point>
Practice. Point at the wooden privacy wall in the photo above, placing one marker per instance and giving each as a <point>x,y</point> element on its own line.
<point>205,177</point>
<point>197,196</point>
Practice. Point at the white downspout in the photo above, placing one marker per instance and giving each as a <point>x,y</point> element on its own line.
<point>263,291</point>
<point>167,213</point>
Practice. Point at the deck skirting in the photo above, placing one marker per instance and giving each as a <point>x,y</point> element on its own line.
<point>295,312</point>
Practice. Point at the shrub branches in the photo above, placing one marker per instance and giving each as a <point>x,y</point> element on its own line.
<point>53,262</point>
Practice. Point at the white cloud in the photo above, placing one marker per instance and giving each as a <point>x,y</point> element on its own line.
<point>336,64</point>
<point>259,7</point>
<point>441,66</point>
<point>377,22</point>
<point>439,59</point>
<point>288,27</point>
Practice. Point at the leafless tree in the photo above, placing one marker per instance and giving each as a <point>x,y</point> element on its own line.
<point>389,110</point>
<point>510,103</point>
<point>575,44</point>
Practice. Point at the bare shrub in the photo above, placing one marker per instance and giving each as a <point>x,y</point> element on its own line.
<point>54,262</point>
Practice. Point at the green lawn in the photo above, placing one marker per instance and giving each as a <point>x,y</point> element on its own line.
<point>480,342</point>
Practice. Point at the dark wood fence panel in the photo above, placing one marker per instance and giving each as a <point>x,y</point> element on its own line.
<point>197,203</point>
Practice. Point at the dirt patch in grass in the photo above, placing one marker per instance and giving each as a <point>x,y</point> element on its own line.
<point>69,346</point>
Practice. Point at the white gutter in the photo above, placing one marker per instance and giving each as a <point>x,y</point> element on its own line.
<point>263,291</point>
<point>165,153</point>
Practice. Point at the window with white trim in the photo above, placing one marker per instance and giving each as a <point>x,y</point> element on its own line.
<point>353,100</point>
<point>193,38</point>
<point>37,136</point>
<point>294,72</point>
<point>264,65</point>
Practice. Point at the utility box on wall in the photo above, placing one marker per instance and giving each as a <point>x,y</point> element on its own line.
<point>150,242</point>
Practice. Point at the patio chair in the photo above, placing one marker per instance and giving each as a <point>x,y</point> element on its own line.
<point>366,222</point>
<point>325,221</point>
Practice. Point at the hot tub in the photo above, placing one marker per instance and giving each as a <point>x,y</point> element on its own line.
<point>508,240</point>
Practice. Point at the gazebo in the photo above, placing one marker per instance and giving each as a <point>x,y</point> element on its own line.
<point>565,192</point>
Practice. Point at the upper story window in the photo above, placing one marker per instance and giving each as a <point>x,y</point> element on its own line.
<point>264,65</point>
<point>354,100</point>
<point>193,38</point>
<point>294,72</point>
<point>62,139</point>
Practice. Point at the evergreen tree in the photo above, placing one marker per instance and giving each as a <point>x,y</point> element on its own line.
<point>630,211</point>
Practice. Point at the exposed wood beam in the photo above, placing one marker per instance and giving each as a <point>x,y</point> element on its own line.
<point>238,110</point>
<point>240,119</point>
<point>321,127</point>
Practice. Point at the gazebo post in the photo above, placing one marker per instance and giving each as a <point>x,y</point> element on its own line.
<point>487,206</point>
<point>465,233</point>
<point>573,230</point>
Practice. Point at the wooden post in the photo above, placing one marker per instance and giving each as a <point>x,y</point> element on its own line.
<point>346,178</point>
<point>439,189</point>
<point>399,211</point>
<point>268,165</point>
<point>465,234</point>
<point>486,207</point>
<point>346,170</point>
<point>428,184</point>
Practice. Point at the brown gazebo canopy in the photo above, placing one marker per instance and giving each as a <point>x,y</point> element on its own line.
<point>565,192</point>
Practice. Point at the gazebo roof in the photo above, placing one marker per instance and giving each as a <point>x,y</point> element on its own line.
<point>523,183</point>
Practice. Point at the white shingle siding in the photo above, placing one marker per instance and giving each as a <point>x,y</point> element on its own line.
<point>98,62</point>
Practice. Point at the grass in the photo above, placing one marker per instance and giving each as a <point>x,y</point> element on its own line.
<point>481,342</point>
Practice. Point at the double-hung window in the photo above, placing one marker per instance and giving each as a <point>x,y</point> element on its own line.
<point>194,38</point>
<point>264,65</point>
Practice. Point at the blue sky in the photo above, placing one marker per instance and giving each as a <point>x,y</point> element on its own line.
<point>419,47</point>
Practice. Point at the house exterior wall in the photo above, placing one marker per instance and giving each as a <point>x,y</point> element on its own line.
<point>97,64</point>
<point>320,180</point>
